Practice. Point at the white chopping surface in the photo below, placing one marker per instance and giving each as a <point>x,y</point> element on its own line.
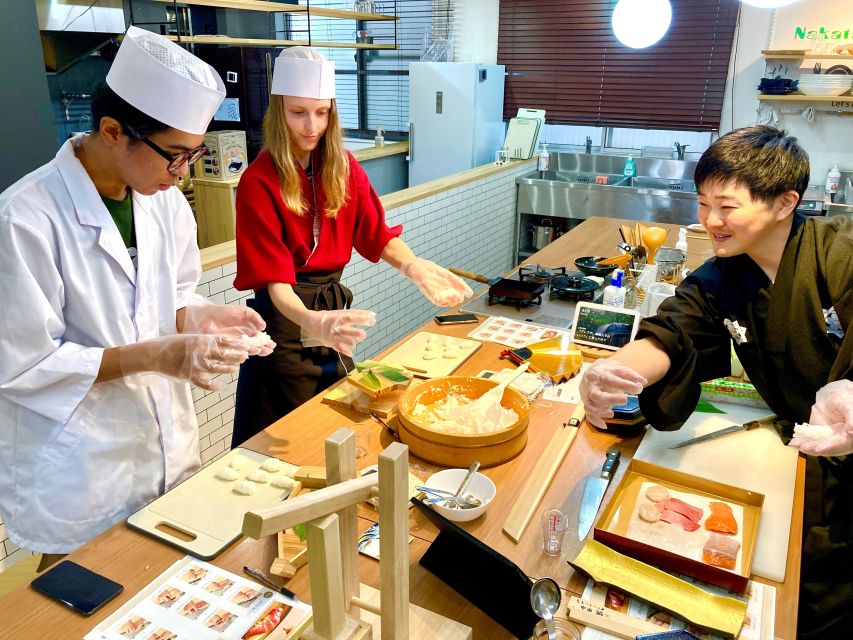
<point>206,507</point>
<point>755,460</point>
<point>446,354</point>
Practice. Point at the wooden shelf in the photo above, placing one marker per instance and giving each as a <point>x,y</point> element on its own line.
<point>783,55</point>
<point>798,97</point>
<point>269,42</point>
<point>280,7</point>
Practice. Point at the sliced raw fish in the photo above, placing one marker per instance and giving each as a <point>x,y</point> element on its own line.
<point>679,506</point>
<point>673,517</point>
<point>720,551</point>
<point>721,519</point>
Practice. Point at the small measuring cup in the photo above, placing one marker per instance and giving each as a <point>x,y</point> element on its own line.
<point>554,525</point>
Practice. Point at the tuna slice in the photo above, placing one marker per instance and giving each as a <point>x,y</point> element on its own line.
<point>677,511</point>
<point>721,519</point>
<point>720,551</point>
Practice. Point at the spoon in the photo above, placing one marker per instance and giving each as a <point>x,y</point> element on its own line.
<point>441,494</point>
<point>545,599</point>
<point>471,471</point>
<point>461,502</point>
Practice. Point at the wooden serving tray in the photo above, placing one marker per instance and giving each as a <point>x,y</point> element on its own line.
<point>205,509</point>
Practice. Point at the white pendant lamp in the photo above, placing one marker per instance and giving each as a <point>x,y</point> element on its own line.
<point>769,4</point>
<point>641,23</point>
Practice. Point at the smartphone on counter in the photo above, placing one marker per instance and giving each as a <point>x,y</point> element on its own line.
<point>77,587</point>
<point>456,318</point>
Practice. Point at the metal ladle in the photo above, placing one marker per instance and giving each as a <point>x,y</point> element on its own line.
<point>545,599</point>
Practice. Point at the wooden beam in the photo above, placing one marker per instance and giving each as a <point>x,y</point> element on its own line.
<point>324,558</point>
<point>340,467</point>
<point>308,506</point>
<point>394,541</point>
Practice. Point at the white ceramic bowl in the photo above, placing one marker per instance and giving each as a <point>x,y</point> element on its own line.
<point>823,91</point>
<point>481,487</point>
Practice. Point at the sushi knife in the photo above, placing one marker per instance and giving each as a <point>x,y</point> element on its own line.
<point>735,428</point>
<point>593,492</point>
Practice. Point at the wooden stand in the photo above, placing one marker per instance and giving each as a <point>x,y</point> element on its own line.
<point>330,520</point>
<point>592,352</point>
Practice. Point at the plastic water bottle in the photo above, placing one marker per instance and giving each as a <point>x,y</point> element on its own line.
<point>682,240</point>
<point>630,168</point>
<point>614,293</point>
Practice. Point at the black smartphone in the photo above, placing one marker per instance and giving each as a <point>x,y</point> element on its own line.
<point>77,587</point>
<point>456,318</point>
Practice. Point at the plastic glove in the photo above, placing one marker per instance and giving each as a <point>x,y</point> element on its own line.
<point>196,358</point>
<point>201,316</point>
<point>337,329</point>
<point>605,384</point>
<point>833,407</point>
<point>438,285</point>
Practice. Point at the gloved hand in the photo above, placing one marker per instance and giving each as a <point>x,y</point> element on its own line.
<point>201,316</point>
<point>606,384</point>
<point>337,329</point>
<point>194,357</point>
<point>440,287</point>
<point>833,407</point>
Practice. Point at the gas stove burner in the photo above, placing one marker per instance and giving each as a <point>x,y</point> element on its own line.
<point>518,303</point>
<point>537,273</point>
<point>572,286</point>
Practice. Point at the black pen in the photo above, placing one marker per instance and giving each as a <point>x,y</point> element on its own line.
<point>260,576</point>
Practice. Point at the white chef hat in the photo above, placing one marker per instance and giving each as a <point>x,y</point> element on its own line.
<point>303,72</point>
<point>165,81</point>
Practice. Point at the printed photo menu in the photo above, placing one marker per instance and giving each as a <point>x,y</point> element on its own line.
<point>194,600</point>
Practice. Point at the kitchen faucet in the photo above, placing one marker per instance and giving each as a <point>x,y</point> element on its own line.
<point>588,144</point>
<point>680,149</point>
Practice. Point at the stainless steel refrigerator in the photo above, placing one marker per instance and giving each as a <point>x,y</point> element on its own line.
<point>455,117</point>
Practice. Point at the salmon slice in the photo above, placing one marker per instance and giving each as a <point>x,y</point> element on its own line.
<point>720,551</point>
<point>721,519</point>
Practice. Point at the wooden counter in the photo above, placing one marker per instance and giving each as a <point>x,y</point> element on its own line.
<point>133,559</point>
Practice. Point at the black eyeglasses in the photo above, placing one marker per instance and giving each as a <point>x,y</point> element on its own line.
<point>177,160</point>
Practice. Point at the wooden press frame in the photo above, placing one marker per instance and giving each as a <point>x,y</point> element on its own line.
<point>332,535</point>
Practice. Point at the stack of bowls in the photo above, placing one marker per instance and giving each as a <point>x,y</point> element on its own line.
<point>824,85</point>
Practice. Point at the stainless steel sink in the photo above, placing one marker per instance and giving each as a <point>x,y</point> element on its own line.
<point>581,185</point>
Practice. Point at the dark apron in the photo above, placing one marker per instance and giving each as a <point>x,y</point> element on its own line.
<point>273,386</point>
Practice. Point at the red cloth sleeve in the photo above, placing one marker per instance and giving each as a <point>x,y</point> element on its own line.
<point>262,255</point>
<point>371,232</point>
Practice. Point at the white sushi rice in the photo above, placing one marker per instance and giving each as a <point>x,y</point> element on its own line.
<point>258,475</point>
<point>273,465</point>
<point>813,431</point>
<point>283,482</point>
<point>228,474</point>
<point>239,463</point>
<point>260,339</point>
<point>245,487</point>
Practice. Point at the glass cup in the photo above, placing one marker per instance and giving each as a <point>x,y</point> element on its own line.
<point>362,444</point>
<point>565,630</point>
<point>554,525</point>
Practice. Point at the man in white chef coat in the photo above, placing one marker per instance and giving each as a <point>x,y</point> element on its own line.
<point>100,328</point>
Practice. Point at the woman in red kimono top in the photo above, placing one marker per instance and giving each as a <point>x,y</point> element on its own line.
<point>302,206</point>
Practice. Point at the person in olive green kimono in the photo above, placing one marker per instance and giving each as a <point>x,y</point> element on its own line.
<point>780,289</point>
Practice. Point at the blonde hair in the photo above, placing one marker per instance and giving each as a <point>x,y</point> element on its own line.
<point>334,164</point>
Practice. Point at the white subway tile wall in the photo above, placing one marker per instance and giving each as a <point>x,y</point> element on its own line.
<point>471,227</point>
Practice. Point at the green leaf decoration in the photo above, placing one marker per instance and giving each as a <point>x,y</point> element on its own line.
<point>300,531</point>
<point>391,373</point>
<point>371,380</point>
<point>366,364</point>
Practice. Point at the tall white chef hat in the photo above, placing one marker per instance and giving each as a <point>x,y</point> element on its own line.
<point>303,72</point>
<point>165,81</point>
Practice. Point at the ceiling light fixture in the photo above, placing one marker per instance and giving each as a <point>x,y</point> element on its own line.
<point>641,23</point>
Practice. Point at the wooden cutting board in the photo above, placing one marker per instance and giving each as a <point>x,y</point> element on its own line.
<point>411,354</point>
<point>755,460</point>
<point>205,507</point>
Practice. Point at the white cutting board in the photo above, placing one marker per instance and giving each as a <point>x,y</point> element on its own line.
<point>521,137</point>
<point>754,460</point>
<point>207,507</point>
<point>411,354</point>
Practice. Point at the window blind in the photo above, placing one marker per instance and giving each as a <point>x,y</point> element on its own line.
<point>562,56</point>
